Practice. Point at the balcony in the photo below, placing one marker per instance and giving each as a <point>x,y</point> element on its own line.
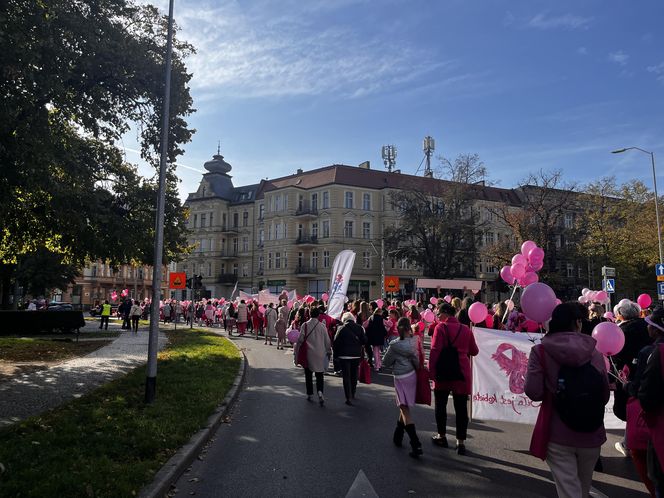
<point>306,240</point>
<point>226,278</point>
<point>305,210</point>
<point>229,230</point>
<point>306,271</point>
<point>227,254</point>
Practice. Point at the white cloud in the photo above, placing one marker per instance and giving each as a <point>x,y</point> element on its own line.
<point>619,57</point>
<point>567,21</point>
<point>658,70</point>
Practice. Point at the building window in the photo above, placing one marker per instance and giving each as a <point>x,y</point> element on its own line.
<point>277,203</point>
<point>245,219</point>
<point>348,229</point>
<point>235,267</point>
<point>348,200</point>
<point>314,260</point>
<point>570,270</point>
<point>277,260</point>
<point>277,231</point>
<point>300,259</point>
<point>236,220</point>
<point>285,259</point>
<point>569,220</point>
<point>366,201</point>
<point>300,202</point>
<point>235,246</point>
<point>366,256</point>
<point>559,241</point>
<point>261,237</point>
<point>403,264</point>
<point>326,259</point>
<point>326,228</point>
<point>211,215</point>
<point>366,230</point>
<point>245,269</point>
<point>261,211</point>
<point>269,232</point>
<point>314,202</point>
<point>195,220</point>
<point>326,200</point>
<point>261,263</point>
<point>314,230</point>
<point>245,244</point>
<point>94,271</point>
<point>269,260</point>
<point>209,269</point>
<point>300,231</point>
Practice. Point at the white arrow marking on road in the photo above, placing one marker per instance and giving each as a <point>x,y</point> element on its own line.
<point>361,487</point>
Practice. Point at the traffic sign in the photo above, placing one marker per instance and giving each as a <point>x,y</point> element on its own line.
<point>608,271</point>
<point>609,285</point>
<point>660,288</point>
<point>177,280</point>
<point>659,272</point>
<point>391,284</point>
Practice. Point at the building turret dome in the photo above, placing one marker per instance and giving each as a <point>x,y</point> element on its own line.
<point>217,165</point>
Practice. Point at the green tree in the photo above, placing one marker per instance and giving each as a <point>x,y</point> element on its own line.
<point>76,75</point>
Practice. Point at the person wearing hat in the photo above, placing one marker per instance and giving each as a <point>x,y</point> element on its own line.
<point>347,347</point>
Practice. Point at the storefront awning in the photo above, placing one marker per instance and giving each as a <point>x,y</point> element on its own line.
<point>434,283</point>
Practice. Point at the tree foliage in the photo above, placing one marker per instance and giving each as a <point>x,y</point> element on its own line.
<point>438,230</point>
<point>76,75</point>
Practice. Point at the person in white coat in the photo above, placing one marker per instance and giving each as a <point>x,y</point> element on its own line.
<point>319,347</point>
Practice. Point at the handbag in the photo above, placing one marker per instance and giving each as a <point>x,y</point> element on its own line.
<point>364,375</point>
<point>539,442</point>
<point>301,358</point>
<point>423,388</point>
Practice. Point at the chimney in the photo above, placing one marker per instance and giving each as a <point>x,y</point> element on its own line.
<point>365,165</point>
<point>299,171</point>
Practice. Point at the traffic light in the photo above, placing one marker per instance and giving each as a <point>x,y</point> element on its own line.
<point>198,281</point>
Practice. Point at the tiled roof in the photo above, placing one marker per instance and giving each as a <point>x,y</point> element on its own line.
<point>353,176</point>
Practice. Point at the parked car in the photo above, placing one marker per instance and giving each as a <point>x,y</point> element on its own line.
<point>59,306</point>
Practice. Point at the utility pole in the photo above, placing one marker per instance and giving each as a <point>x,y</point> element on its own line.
<point>153,341</point>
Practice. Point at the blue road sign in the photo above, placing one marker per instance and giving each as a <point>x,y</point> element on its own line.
<point>609,285</point>
<point>659,269</point>
<point>660,288</point>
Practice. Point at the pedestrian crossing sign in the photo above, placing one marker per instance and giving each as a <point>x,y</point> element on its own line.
<point>609,285</point>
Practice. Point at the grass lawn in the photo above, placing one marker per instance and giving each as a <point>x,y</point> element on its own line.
<point>109,443</point>
<point>22,349</point>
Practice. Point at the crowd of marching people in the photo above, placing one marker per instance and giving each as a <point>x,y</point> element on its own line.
<point>566,372</point>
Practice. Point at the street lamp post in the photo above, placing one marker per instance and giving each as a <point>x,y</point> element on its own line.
<point>654,182</point>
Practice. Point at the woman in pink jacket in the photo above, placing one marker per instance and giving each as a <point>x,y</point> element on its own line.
<point>569,431</point>
<point>450,331</point>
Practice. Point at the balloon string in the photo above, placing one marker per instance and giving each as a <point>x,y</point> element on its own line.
<point>622,380</point>
<point>508,307</point>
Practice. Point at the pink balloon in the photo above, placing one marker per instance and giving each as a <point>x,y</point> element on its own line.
<point>601,296</point>
<point>325,297</point>
<point>609,316</point>
<point>380,303</point>
<point>583,299</point>
<point>489,321</point>
<point>558,301</point>
<point>527,246</point>
<point>518,270</point>
<point>610,338</point>
<point>519,259</point>
<point>506,275</point>
<point>531,325</point>
<point>537,265</point>
<point>510,304</point>
<point>421,326</point>
<point>529,278</point>
<point>585,291</point>
<point>447,299</point>
<point>428,316</point>
<point>477,312</point>
<point>433,300</point>
<point>290,304</point>
<point>644,300</point>
<point>261,308</point>
<point>536,254</point>
<point>538,301</point>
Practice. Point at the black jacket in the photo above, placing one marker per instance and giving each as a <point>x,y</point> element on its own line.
<point>376,332</point>
<point>651,390</point>
<point>348,340</point>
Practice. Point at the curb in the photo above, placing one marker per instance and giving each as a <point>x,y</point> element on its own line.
<point>178,463</point>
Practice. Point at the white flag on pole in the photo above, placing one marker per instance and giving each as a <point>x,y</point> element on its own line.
<point>341,271</point>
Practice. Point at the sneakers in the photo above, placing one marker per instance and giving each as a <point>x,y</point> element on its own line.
<point>461,449</point>
<point>321,398</point>
<point>622,449</point>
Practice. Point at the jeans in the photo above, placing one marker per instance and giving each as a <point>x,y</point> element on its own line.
<point>460,409</point>
<point>104,320</point>
<point>349,371</point>
<point>309,382</point>
<point>134,323</point>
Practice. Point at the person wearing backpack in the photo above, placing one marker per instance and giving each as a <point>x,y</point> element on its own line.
<point>568,375</point>
<point>347,347</point>
<point>452,346</point>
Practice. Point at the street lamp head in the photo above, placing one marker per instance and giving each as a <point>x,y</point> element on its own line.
<point>618,151</point>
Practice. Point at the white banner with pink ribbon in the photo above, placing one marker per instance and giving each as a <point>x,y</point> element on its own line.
<point>499,372</point>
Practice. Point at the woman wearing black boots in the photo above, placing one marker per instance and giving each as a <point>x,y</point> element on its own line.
<point>402,357</point>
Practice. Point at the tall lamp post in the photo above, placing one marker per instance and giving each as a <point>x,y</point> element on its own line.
<point>654,182</point>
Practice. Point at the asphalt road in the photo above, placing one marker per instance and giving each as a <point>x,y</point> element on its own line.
<point>277,444</point>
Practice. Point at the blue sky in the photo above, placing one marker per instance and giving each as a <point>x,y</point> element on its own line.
<point>526,84</point>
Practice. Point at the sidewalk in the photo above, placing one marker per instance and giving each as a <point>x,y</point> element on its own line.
<point>30,394</point>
